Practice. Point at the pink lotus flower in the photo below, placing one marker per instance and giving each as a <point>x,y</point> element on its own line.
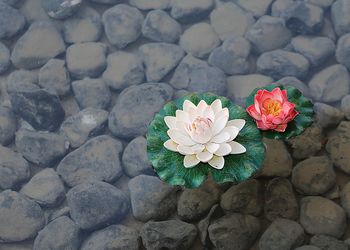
<point>272,110</point>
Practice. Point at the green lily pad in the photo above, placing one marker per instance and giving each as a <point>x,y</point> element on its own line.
<point>302,104</point>
<point>169,165</point>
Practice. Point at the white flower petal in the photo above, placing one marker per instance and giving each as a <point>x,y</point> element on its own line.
<point>170,145</point>
<point>202,105</point>
<point>224,149</point>
<point>238,123</point>
<point>201,139</point>
<point>188,105</point>
<point>233,131</point>
<point>170,121</point>
<point>212,147</point>
<point>190,161</point>
<point>221,138</point>
<point>185,150</point>
<point>181,126</point>
<point>182,116</point>
<point>237,148</point>
<point>209,113</point>
<point>204,156</point>
<point>220,121</point>
<point>217,162</point>
<point>180,138</point>
<point>216,106</point>
<point>197,148</point>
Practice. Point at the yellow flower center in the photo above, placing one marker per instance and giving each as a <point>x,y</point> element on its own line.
<point>272,107</point>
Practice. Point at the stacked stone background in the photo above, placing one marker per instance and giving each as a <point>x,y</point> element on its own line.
<point>79,87</point>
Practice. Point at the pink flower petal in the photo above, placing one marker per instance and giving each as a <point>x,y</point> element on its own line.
<point>182,116</point>
<point>188,105</point>
<point>217,162</point>
<point>180,138</point>
<point>170,145</point>
<point>238,123</point>
<point>190,161</point>
<point>237,148</point>
<point>216,106</point>
<point>284,95</point>
<point>204,156</point>
<point>224,149</point>
<point>209,113</point>
<point>220,121</point>
<point>170,121</point>
<point>253,112</point>
<point>277,93</point>
<point>281,128</point>
<point>201,107</point>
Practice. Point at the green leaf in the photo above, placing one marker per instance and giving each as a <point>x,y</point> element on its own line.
<point>169,165</point>
<point>302,104</point>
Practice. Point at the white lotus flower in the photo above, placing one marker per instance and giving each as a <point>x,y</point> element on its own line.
<point>203,133</point>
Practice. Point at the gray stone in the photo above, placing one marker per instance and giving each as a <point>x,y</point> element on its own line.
<point>8,125</point>
<point>191,11</point>
<point>151,198</point>
<point>307,247</point>
<point>171,234</point>
<point>325,242</point>
<point>343,48</point>
<point>33,11</point>
<point>234,231</point>
<point>160,27</point>
<point>60,9</point>
<point>245,198</point>
<point>41,148</point>
<point>199,40</point>
<point>345,198</point>
<point>13,3</point>
<point>316,49</point>
<point>64,211</point>
<point>303,18</point>
<point>321,3</point>
<point>314,176</point>
<point>84,26</point>
<point>204,224</point>
<point>282,234</point>
<point>268,33</point>
<point>46,188</point>
<point>159,59</point>
<point>22,76</point>
<point>136,107</point>
<point>62,233</point>
<point>151,4</point>
<point>281,63</point>
<point>340,16</point>
<point>14,169</point>
<point>327,116</point>
<point>123,70</point>
<point>345,106</point>
<point>98,160</point>
<point>296,83</point>
<point>4,58</point>
<point>195,203</point>
<point>54,76</point>
<point>87,123</point>
<point>180,93</point>
<point>92,93</point>
<point>257,7</point>
<point>106,1</point>
<point>278,161</point>
<point>232,56</point>
<point>86,59</point>
<point>229,19</point>
<point>20,218</point>
<point>319,215</point>
<point>328,30</point>
<point>96,204</point>
<point>122,24</point>
<point>43,110</point>
<point>41,42</point>
<point>239,87</point>
<point>113,237</point>
<point>197,76</point>
<point>11,21</point>
<point>280,201</point>
<point>135,160</point>
<point>279,7</point>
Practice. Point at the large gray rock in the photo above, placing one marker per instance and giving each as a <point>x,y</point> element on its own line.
<point>282,234</point>
<point>171,234</point>
<point>60,9</point>
<point>160,27</point>
<point>123,70</point>
<point>4,58</point>
<point>296,83</point>
<point>191,11</point>
<point>341,19</point>
<point>240,231</point>
<point>322,3</point>
<point>14,169</point>
<point>343,48</point>
<point>84,26</point>
<point>46,188</point>
<point>20,218</point>
<point>232,56</point>
<point>307,247</point>
<point>319,215</point>
<point>87,123</point>
<point>150,4</point>
<point>257,7</point>
<point>279,7</point>
<point>21,76</point>
<point>322,85</point>
<point>135,108</point>
<point>268,33</point>
<point>122,24</point>
<point>113,237</point>
<point>197,76</point>
<point>41,148</point>
<point>281,63</point>
<point>328,243</point>
<point>96,204</point>
<point>151,198</point>
<point>93,93</point>
<point>229,19</point>
<point>41,42</point>
<point>86,59</point>
<point>345,198</point>
<point>98,159</point>
<point>106,1</point>
<point>62,233</point>
<point>12,21</point>
<point>326,115</point>
<point>345,106</point>
<point>314,176</point>
<point>8,125</point>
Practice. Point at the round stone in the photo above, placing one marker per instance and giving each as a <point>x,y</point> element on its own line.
<point>191,11</point>
<point>4,58</point>
<point>60,9</point>
<point>11,21</point>
<point>8,125</point>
